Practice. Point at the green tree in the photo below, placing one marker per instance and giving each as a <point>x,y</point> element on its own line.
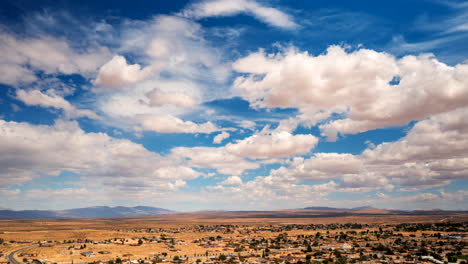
<point>341,260</point>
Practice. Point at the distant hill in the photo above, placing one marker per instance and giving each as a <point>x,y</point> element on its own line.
<point>88,212</point>
<point>323,208</point>
<point>361,209</point>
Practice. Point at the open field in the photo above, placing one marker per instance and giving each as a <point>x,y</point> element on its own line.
<point>181,235</point>
<point>240,217</point>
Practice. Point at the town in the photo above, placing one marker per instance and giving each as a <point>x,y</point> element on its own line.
<point>438,243</point>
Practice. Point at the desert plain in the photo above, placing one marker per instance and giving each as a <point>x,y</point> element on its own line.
<point>204,236</point>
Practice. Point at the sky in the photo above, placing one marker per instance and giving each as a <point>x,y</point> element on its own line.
<point>234,104</point>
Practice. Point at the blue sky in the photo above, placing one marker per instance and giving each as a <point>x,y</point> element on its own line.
<point>234,105</point>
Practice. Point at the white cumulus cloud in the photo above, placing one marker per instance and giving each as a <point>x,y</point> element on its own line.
<point>232,180</point>
<point>220,137</point>
<point>30,151</point>
<point>273,144</point>
<point>36,97</point>
<point>213,8</point>
<point>172,124</point>
<point>19,57</point>
<point>357,83</point>
<point>117,72</point>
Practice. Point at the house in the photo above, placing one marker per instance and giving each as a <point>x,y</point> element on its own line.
<point>88,254</point>
<point>432,259</point>
<point>347,246</point>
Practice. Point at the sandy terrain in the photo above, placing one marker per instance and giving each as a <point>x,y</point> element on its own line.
<point>178,226</point>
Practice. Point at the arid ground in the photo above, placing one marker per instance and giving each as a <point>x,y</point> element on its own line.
<point>122,234</point>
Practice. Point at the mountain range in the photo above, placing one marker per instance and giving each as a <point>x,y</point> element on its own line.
<point>322,208</point>
<point>88,212</point>
<point>137,211</point>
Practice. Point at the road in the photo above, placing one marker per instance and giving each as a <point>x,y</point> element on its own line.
<point>11,257</point>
